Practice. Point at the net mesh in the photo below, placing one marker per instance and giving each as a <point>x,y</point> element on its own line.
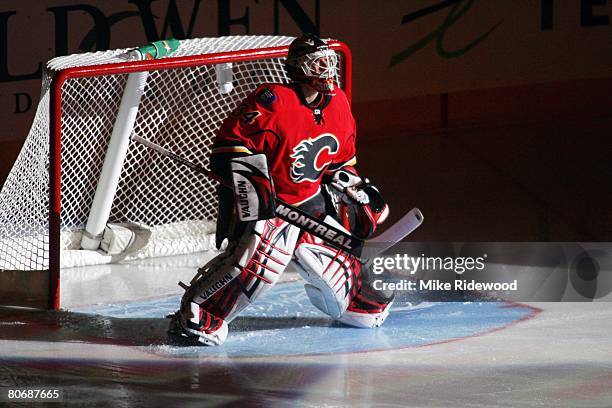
<point>180,110</point>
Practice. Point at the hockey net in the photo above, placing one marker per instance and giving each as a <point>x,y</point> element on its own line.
<point>46,200</point>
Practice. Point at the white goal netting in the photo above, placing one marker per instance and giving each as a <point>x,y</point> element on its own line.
<point>181,109</point>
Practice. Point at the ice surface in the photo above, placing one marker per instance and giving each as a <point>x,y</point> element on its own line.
<point>283,322</point>
<point>429,355</point>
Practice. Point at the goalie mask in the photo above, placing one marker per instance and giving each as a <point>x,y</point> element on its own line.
<point>311,61</point>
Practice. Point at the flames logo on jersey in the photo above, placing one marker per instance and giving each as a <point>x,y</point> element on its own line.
<point>311,156</point>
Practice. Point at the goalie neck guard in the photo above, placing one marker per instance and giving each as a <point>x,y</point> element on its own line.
<point>312,62</point>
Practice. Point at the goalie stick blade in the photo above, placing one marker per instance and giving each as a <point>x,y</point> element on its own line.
<point>394,234</point>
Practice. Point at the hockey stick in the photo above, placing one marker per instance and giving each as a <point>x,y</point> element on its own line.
<point>392,235</point>
<point>328,233</point>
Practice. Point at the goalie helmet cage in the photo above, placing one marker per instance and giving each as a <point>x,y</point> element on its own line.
<point>46,199</point>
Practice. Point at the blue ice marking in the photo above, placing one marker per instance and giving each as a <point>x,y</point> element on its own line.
<point>284,323</point>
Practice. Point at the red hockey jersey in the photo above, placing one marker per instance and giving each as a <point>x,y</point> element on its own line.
<point>300,142</point>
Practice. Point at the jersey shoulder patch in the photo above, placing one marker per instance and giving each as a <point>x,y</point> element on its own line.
<point>265,96</point>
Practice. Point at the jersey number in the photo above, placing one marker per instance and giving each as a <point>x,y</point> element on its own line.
<point>246,118</point>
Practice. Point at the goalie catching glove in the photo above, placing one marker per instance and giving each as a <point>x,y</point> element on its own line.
<point>362,202</point>
<point>358,189</point>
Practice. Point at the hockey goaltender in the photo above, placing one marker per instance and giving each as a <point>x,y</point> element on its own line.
<point>295,141</point>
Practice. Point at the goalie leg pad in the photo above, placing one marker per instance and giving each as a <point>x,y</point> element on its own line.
<point>234,279</point>
<point>332,275</point>
<point>339,285</point>
<point>324,300</point>
<point>252,268</point>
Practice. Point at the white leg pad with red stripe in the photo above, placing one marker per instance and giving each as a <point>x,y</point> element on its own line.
<point>233,280</point>
<point>337,285</point>
<point>331,274</point>
<point>324,300</point>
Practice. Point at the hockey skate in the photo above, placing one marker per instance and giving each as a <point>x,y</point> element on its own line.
<point>210,331</point>
<point>357,315</point>
<point>370,307</point>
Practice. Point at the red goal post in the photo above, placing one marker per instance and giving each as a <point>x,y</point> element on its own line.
<point>181,108</point>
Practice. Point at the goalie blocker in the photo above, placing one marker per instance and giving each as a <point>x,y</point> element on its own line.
<point>253,188</point>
